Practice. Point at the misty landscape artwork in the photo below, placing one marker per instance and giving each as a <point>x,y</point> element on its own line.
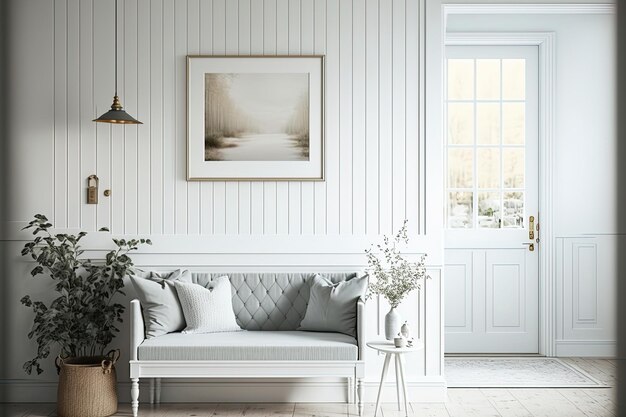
<point>256,117</point>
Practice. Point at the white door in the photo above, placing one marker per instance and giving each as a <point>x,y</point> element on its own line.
<point>491,269</point>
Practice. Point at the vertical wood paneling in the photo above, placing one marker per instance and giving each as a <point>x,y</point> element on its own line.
<point>156,117</point>
<point>411,157</point>
<point>169,173</point>
<point>385,113</point>
<point>333,115</point>
<point>144,95</point>
<point>73,114</point>
<point>358,117</point>
<point>371,125</point>
<point>180,94</point>
<point>128,86</point>
<point>372,109</point>
<point>398,109</point>
<point>193,47</point>
<point>60,113</point>
<point>87,113</point>
<point>346,117</point>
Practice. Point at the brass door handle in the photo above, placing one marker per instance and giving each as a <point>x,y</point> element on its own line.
<point>531,246</point>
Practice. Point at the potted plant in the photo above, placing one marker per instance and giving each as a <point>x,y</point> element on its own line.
<point>82,321</point>
<point>393,276</point>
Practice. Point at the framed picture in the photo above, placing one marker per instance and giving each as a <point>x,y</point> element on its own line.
<point>255,118</point>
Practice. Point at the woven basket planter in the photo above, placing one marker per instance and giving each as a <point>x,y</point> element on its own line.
<point>87,386</point>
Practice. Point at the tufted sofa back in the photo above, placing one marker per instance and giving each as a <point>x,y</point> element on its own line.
<point>269,301</point>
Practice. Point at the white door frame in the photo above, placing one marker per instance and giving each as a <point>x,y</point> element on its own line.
<point>547,277</point>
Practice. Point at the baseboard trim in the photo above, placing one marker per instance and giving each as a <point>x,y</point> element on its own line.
<point>429,389</point>
<point>586,348</point>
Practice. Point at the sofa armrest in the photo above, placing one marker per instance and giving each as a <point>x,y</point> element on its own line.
<point>137,328</point>
<point>360,327</point>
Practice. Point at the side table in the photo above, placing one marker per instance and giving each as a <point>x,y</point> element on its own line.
<point>389,349</point>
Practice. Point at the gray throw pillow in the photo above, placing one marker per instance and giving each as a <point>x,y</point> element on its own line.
<point>161,308</point>
<point>332,306</point>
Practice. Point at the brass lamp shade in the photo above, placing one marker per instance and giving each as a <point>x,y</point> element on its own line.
<point>117,115</point>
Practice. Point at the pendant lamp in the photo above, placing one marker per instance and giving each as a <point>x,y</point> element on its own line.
<point>117,113</point>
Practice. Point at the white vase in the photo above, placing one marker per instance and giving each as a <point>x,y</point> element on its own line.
<point>392,324</point>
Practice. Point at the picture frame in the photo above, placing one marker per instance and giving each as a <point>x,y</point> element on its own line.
<point>255,118</point>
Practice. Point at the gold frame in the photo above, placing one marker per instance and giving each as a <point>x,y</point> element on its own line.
<point>322,128</point>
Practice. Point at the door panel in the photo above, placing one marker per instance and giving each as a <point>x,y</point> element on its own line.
<point>491,290</point>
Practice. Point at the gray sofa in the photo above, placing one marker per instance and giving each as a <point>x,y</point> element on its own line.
<point>270,307</point>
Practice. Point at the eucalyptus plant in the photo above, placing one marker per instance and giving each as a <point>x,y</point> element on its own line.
<point>83,320</point>
<point>391,274</point>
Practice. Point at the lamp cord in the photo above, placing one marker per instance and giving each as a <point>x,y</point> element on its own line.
<point>116,47</point>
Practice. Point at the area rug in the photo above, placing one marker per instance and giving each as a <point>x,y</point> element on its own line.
<point>479,372</point>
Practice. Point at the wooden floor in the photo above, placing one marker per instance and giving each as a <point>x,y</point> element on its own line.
<point>461,402</point>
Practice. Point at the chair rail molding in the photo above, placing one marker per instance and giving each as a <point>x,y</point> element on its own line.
<point>516,8</point>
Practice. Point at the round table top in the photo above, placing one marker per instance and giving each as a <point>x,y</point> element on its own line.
<point>387,346</point>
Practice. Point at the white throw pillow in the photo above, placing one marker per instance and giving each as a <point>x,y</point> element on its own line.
<point>207,310</point>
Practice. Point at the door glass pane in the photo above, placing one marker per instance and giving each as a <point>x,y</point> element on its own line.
<point>487,79</point>
<point>488,168</point>
<point>488,123</point>
<point>460,206</point>
<point>460,79</point>
<point>460,168</point>
<point>486,138</point>
<point>489,210</point>
<point>513,122</point>
<point>513,79</point>
<point>460,123</point>
<point>513,216</point>
<point>513,167</point>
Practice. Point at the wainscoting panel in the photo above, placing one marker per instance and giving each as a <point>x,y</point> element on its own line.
<point>585,269</point>
<point>371,125</point>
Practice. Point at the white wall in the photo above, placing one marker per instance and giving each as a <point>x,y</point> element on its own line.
<point>585,174</point>
<point>61,72</point>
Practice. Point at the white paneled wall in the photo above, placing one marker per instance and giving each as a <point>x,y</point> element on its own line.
<point>372,163</point>
<point>63,70</point>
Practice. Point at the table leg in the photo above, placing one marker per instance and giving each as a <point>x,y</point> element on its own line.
<point>398,381</point>
<point>402,376</point>
<point>382,380</point>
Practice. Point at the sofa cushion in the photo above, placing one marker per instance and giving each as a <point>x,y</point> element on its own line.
<point>250,345</point>
<point>269,301</point>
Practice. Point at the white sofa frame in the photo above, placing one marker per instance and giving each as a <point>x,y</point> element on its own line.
<point>354,371</point>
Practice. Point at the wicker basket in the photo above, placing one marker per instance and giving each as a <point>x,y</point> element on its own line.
<point>87,386</point>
